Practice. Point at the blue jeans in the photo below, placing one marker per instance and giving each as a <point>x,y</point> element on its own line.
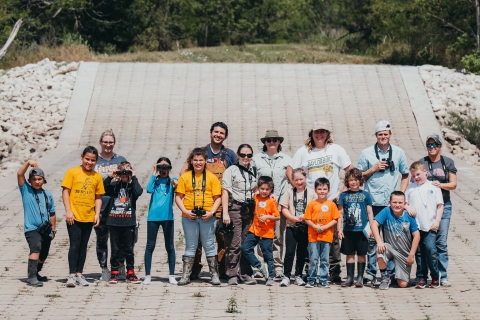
<point>266,245</point>
<point>152,232</point>
<point>426,257</point>
<point>206,229</point>
<point>318,251</point>
<point>372,252</point>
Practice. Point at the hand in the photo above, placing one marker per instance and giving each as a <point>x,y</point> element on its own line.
<point>380,166</point>
<point>412,212</point>
<point>410,260</point>
<point>436,183</point>
<point>381,248</point>
<point>272,196</point>
<point>155,169</point>
<point>133,172</point>
<point>226,219</point>
<point>53,234</point>
<point>434,226</point>
<point>69,218</point>
<point>263,218</point>
<point>300,218</point>
<point>340,235</point>
<point>96,222</point>
<point>190,215</point>
<point>295,219</point>
<point>319,228</point>
<point>174,183</point>
<point>33,164</point>
<point>370,235</point>
<point>207,216</point>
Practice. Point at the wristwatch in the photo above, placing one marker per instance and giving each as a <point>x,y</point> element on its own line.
<point>54,232</point>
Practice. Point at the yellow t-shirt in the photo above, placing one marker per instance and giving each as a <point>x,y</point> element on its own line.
<point>83,185</point>
<point>212,188</point>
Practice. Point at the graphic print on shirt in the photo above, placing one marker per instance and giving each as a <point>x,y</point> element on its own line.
<point>324,164</point>
<point>354,208</point>
<point>122,205</point>
<point>437,172</point>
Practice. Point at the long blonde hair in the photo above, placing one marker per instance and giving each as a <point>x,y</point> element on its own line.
<point>311,144</point>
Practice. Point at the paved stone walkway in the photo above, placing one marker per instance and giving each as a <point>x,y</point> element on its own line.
<point>165,110</point>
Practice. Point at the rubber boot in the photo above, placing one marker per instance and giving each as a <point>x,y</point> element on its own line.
<point>213,265</point>
<point>187,270</point>
<point>39,277</point>
<point>32,274</point>
<point>360,271</point>
<point>350,273</point>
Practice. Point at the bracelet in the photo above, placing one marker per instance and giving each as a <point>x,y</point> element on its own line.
<point>54,231</point>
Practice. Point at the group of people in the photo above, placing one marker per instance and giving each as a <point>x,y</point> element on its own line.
<point>243,208</point>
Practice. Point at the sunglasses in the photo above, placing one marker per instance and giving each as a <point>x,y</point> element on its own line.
<point>432,145</point>
<point>108,143</point>
<point>271,140</point>
<point>245,155</point>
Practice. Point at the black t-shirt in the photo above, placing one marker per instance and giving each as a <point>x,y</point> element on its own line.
<point>436,173</point>
<point>123,202</point>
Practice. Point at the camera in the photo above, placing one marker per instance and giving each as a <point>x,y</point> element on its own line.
<point>226,230</point>
<point>351,220</point>
<point>124,172</point>
<point>45,228</point>
<point>300,227</point>
<point>199,211</point>
<point>164,167</point>
<point>248,204</point>
<point>390,164</point>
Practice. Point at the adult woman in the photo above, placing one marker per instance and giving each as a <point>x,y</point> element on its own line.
<point>106,164</point>
<point>273,163</point>
<point>238,184</point>
<point>320,157</point>
<point>442,172</point>
<point>198,197</point>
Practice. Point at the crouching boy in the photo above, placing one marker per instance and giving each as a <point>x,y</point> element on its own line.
<point>401,235</point>
<point>40,218</point>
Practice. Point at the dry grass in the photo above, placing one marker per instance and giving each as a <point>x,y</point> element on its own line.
<point>285,53</point>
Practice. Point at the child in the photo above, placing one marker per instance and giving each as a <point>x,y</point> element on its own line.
<point>398,230</point>
<point>425,203</point>
<point>355,206</point>
<point>82,199</point>
<point>160,213</point>
<point>123,188</point>
<point>263,229</point>
<point>294,202</point>
<point>38,210</point>
<point>321,216</point>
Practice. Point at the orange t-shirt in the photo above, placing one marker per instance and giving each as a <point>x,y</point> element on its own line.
<point>321,213</point>
<point>264,206</point>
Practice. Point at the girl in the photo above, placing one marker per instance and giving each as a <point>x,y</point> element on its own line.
<point>160,213</point>
<point>82,198</point>
<point>293,203</point>
<point>198,197</point>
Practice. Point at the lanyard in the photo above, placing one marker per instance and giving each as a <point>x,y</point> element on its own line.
<point>430,168</point>
<point>194,186</point>
<point>250,179</point>
<point>304,200</point>
<point>38,203</point>
<point>389,152</point>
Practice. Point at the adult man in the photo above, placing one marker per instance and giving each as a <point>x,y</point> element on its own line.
<point>381,165</point>
<point>219,159</point>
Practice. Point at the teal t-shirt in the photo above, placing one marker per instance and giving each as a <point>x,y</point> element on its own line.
<point>31,209</point>
<point>162,191</point>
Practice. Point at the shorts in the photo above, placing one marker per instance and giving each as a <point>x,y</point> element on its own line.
<point>402,271</point>
<point>38,243</point>
<point>353,243</point>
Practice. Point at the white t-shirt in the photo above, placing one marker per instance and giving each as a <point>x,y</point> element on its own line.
<point>325,162</point>
<point>424,198</point>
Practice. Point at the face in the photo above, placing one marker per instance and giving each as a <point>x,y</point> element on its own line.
<point>353,183</point>
<point>36,182</point>
<point>397,203</point>
<point>107,143</point>
<point>245,156</point>
<point>218,135</point>
<point>164,173</point>
<point>419,176</point>
<point>88,161</point>
<point>125,177</point>
<point>198,163</point>
<point>383,137</point>
<point>320,136</point>
<point>433,148</point>
<point>264,190</point>
<point>322,191</point>
<point>272,143</point>
<point>299,180</point>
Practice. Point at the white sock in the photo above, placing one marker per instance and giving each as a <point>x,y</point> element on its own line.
<point>172,280</point>
<point>147,280</point>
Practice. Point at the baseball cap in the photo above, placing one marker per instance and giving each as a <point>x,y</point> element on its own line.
<point>382,126</point>
<point>318,125</point>
<point>37,173</point>
<point>435,137</point>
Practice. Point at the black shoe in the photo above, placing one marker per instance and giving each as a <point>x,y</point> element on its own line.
<point>335,278</point>
<point>41,278</point>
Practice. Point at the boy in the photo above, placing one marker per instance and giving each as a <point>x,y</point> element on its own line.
<point>398,230</point>
<point>425,203</point>
<point>39,210</point>
<point>321,216</point>
<point>123,188</point>
<point>263,229</point>
<point>355,206</point>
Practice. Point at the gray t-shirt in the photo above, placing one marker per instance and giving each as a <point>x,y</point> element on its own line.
<point>436,173</point>
<point>240,186</point>
<point>105,167</point>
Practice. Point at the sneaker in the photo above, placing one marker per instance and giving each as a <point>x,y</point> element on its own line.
<point>147,280</point>
<point>285,282</point>
<point>257,274</point>
<point>445,283</point>
<point>264,272</point>
<point>434,284</point>
<point>132,278</point>
<point>105,275</point>
<point>324,284</point>
<point>299,281</point>
<point>420,284</point>
<point>233,281</point>
<point>270,282</point>
<point>71,282</point>
<point>81,281</point>
<point>384,283</point>
<point>113,277</point>
<point>278,275</point>
<point>122,275</point>
<point>249,281</point>
<point>310,285</point>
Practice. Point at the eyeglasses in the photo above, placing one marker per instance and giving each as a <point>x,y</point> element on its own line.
<point>274,140</point>
<point>432,145</point>
<point>247,155</point>
<point>108,143</point>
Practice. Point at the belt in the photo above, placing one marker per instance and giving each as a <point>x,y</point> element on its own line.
<point>238,202</point>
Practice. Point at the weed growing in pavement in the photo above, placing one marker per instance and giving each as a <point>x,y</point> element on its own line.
<point>3,208</point>
<point>198,295</point>
<point>7,268</point>
<point>232,306</point>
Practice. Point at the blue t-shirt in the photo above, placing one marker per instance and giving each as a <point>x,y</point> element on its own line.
<point>32,219</point>
<point>355,203</point>
<point>397,231</point>
<point>162,191</point>
<point>230,156</point>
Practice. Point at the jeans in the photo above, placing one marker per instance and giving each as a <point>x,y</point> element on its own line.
<point>266,245</point>
<point>206,229</point>
<point>442,238</point>
<point>122,241</point>
<point>79,234</point>
<point>428,259</point>
<point>372,252</point>
<point>318,251</point>
<point>295,242</point>
<point>152,232</point>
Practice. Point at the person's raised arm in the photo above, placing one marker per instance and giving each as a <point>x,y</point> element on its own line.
<point>23,169</point>
<point>137,188</point>
<point>69,217</point>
